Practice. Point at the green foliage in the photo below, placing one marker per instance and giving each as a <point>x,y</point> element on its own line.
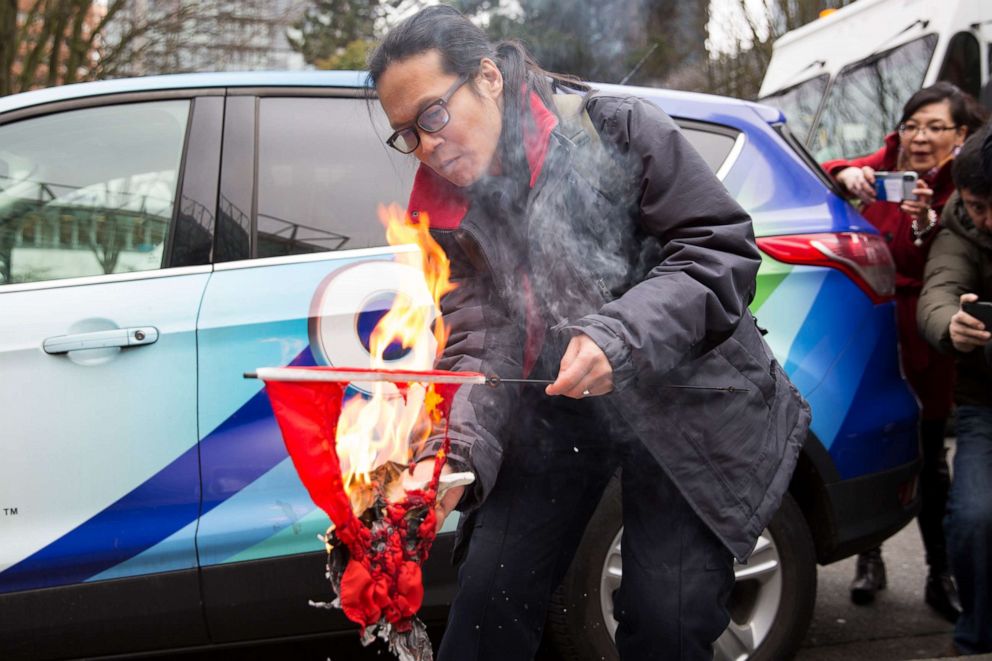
<point>351,58</point>
<point>331,31</point>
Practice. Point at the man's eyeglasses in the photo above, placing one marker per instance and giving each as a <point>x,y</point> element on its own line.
<point>928,131</point>
<point>431,119</point>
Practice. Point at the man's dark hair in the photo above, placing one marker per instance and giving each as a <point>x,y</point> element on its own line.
<point>987,155</point>
<point>967,169</point>
<point>965,110</point>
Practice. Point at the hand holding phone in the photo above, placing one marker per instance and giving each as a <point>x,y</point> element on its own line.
<point>964,328</point>
<point>859,182</point>
<point>981,310</point>
<point>895,186</point>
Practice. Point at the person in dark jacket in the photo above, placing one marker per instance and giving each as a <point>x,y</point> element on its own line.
<point>934,124</point>
<point>959,271</point>
<point>591,246</point>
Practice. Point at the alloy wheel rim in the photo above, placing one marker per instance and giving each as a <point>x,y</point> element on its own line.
<point>754,602</point>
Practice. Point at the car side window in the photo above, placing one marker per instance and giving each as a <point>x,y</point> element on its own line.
<point>90,191</point>
<point>713,144</point>
<point>323,168</point>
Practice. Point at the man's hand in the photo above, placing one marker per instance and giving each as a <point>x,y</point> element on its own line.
<point>859,182</point>
<point>584,370</point>
<point>968,333</point>
<point>422,474</point>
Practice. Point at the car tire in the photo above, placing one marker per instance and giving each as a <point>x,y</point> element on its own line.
<point>771,605</point>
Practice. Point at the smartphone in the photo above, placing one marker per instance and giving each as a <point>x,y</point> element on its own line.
<point>981,310</point>
<point>895,186</point>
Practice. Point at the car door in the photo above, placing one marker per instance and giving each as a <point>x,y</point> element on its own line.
<point>100,471</point>
<point>305,287</point>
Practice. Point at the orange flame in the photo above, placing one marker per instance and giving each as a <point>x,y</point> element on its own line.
<point>385,426</point>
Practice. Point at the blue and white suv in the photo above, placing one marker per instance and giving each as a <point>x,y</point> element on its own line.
<point>161,236</point>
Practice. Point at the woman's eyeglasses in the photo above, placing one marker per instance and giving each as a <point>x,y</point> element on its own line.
<point>909,130</point>
<point>431,119</point>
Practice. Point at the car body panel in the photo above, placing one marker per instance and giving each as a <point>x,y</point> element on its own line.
<point>246,508</point>
<point>90,475</point>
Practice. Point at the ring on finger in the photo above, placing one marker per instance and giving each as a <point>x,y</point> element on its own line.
<point>585,393</point>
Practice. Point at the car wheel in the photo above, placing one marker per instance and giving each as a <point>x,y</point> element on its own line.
<point>770,607</point>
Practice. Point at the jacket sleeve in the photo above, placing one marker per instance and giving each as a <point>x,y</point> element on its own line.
<point>694,298</point>
<point>874,161</point>
<point>483,338</point>
<point>949,273</point>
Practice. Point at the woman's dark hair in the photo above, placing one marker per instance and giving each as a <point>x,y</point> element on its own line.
<point>462,46</point>
<point>967,170</point>
<point>965,110</point>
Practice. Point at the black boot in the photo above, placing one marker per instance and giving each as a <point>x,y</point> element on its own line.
<point>870,577</point>
<point>942,595</point>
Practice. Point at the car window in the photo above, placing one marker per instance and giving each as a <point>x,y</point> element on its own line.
<point>89,192</point>
<point>803,153</point>
<point>799,103</point>
<point>962,63</point>
<point>866,100</point>
<point>712,143</point>
<point>323,168</point>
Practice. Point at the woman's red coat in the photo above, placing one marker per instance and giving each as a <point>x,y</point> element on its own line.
<point>930,373</point>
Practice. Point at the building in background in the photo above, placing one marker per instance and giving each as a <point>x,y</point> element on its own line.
<point>209,35</point>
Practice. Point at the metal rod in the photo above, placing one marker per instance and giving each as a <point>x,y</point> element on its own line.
<point>496,380</point>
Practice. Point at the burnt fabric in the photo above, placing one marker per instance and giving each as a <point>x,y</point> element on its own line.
<point>379,585</point>
<point>676,574</point>
<point>628,237</point>
<point>930,373</point>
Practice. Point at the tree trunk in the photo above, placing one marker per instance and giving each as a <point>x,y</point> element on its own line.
<point>8,44</point>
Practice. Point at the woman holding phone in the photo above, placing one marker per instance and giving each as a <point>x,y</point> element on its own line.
<point>934,124</point>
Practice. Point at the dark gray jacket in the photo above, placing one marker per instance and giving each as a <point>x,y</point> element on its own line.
<point>628,237</point>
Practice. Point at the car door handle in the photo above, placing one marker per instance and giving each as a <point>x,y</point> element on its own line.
<point>119,337</point>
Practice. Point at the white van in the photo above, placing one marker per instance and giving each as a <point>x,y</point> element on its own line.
<point>843,79</point>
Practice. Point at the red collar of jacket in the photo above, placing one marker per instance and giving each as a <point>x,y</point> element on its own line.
<point>446,204</point>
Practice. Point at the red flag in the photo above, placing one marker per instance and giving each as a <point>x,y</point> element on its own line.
<point>374,586</point>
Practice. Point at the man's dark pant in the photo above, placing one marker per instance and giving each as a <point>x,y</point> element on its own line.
<point>969,528</point>
<point>677,575</point>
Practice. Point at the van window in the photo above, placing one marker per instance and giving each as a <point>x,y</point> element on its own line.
<point>323,168</point>
<point>799,103</point>
<point>89,192</point>
<point>865,102</point>
<point>962,64</point>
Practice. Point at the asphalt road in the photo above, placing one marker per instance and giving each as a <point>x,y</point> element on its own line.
<point>896,627</point>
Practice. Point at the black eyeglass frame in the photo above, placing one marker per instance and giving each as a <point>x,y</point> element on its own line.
<point>416,126</point>
<point>904,130</point>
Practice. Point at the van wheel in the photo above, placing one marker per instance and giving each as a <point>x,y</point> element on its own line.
<point>770,607</point>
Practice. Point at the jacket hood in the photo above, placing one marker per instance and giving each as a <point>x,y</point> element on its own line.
<point>956,219</point>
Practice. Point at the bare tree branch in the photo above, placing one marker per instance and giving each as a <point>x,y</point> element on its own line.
<point>8,44</point>
<point>40,42</point>
<point>61,10</point>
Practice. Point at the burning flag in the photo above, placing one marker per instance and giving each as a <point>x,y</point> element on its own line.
<point>350,453</point>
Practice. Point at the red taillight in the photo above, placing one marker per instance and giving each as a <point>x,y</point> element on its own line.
<point>863,257</point>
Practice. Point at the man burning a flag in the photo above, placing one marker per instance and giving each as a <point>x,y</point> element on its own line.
<point>592,247</point>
